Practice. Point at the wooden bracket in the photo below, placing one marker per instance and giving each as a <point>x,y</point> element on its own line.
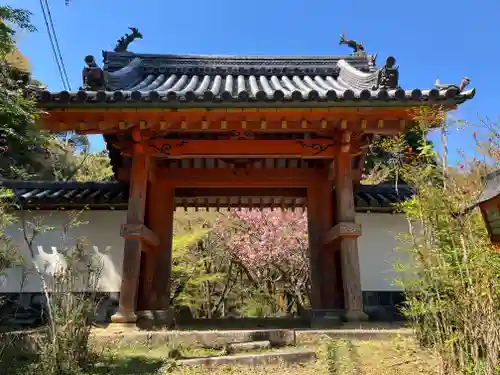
<point>343,230</point>
<point>345,143</point>
<point>140,232</point>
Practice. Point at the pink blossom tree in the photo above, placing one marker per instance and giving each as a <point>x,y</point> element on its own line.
<point>271,247</point>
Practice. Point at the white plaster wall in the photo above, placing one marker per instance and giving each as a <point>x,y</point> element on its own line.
<point>99,230</point>
<point>380,246</point>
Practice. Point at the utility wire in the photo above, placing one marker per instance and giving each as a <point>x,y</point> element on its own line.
<point>59,68</point>
<point>56,42</point>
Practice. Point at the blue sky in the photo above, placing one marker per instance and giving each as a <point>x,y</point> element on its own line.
<point>429,38</point>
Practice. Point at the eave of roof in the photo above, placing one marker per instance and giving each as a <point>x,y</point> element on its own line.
<point>492,188</point>
<point>172,81</point>
<point>70,195</point>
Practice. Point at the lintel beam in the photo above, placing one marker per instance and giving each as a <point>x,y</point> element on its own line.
<point>111,120</point>
<point>240,192</point>
<point>303,148</point>
<point>240,178</point>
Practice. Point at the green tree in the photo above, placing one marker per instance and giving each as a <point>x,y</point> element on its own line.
<point>18,113</point>
<point>451,279</point>
<point>389,150</point>
<point>93,167</point>
<point>26,152</point>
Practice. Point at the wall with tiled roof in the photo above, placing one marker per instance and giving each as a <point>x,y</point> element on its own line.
<point>113,195</point>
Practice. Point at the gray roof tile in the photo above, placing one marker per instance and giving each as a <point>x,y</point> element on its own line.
<point>51,195</point>
<point>492,187</point>
<point>167,79</point>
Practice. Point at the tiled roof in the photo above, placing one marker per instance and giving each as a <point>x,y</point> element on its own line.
<point>50,195</point>
<point>68,194</point>
<point>492,188</point>
<point>175,79</point>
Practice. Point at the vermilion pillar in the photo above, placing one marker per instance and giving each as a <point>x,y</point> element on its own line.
<point>156,263</point>
<point>132,249</point>
<point>316,229</point>
<point>348,232</point>
<point>325,287</point>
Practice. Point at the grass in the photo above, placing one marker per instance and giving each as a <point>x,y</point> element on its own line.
<point>397,356</point>
<point>400,356</point>
<point>394,355</point>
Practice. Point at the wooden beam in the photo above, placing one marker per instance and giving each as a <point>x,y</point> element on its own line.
<point>384,131</point>
<point>343,230</point>
<point>306,148</point>
<point>139,232</point>
<point>236,177</point>
<point>112,120</point>
<point>240,192</point>
<point>223,174</point>
<point>247,203</point>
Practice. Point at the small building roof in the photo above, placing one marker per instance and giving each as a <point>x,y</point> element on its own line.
<point>208,80</point>
<point>491,189</point>
<point>68,195</point>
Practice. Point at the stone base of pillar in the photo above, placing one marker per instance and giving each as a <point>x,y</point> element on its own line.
<point>355,316</point>
<point>155,318</point>
<point>122,317</point>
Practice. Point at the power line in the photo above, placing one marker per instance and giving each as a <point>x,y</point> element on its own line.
<point>56,42</point>
<point>52,43</point>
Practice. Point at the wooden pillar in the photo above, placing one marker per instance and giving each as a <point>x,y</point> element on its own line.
<point>332,288</point>
<point>353,298</point>
<point>132,249</point>
<point>315,233</point>
<point>156,262</point>
<point>325,288</point>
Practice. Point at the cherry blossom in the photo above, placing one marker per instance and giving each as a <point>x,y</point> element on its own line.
<point>260,238</point>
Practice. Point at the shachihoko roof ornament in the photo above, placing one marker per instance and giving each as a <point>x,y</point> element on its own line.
<point>123,43</point>
<point>460,87</point>
<point>358,48</point>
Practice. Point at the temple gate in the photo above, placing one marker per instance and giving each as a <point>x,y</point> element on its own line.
<point>216,131</point>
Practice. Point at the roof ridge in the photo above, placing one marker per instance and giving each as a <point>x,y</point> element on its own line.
<point>238,57</point>
<point>231,64</point>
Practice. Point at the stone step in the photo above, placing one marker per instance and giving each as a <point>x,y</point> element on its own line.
<point>277,357</point>
<point>212,339</point>
<point>242,347</point>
